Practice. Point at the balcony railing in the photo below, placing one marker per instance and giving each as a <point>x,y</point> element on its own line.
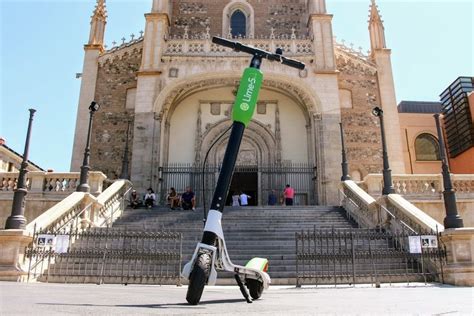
<point>52,183</point>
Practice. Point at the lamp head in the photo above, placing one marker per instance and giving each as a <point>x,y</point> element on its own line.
<point>377,111</point>
<point>94,106</point>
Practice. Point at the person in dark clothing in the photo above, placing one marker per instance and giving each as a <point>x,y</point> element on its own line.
<point>272,198</point>
<point>188,200</point>
<point>150,198</point>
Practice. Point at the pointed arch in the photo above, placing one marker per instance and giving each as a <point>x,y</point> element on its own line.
<point>238,6</point>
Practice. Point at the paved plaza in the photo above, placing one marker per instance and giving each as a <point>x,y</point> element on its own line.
<point>89,299</point>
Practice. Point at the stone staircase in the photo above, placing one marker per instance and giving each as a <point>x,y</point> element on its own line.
<point>249,232</point>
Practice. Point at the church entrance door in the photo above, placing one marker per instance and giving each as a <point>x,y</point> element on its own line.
<point>245,180</point>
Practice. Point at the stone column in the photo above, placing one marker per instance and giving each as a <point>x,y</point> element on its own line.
<point>388,102</point>
<point>13,243</point>
<point>320,26</point>
<point>144,146</point>
<point>459,269</point>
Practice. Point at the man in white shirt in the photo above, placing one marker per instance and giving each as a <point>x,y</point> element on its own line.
<point>244,199</point>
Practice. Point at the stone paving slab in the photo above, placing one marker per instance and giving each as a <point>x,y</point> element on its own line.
<point>86,299</point>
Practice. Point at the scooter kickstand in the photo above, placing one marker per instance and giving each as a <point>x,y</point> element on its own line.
<point>243,290</point>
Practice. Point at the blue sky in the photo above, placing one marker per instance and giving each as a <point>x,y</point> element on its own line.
<point>41,50</point>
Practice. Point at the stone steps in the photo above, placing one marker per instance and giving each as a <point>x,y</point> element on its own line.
<point>249,232</point>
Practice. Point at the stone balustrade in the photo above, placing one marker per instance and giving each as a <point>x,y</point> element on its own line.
<point>420,186</point>
<point>204,47</point>
<point>51,182</point>
<point>359,205</point>
<point>83,210</point>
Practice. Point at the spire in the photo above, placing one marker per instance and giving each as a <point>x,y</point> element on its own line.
<point>317,6</point>
<point>376,29</point>
<point>98,21</point>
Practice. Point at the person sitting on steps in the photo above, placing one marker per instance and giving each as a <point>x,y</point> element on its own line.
<point>135,199</point>
<point>188,200</point>
<point>150,198</point>
<point>173,198</point>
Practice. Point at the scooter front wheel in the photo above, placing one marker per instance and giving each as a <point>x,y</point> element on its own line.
<point>255,288</point>
<point>198,278</point>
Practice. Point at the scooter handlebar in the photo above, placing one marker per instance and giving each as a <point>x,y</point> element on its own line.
<point>223,42</point>
<point>239,47</point>
<point>292,63</point>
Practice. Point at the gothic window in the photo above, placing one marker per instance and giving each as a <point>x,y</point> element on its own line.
<point>261,108</point>
<point>356,175</point>
<point>238,24</point>
<point>345,97</point>
<point>130,101</point>
<point>215,108</point>
<point>426,148</point>
<point>238,19</point>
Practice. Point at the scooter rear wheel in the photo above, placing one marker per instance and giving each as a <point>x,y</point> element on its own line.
<point>255,288</point>
<point>198,278</point>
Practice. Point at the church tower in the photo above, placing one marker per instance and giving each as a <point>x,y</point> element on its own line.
<point>381,55</point>
<point>148,127</point>
<point>93,49</point>
<point>320,26</point>
<point>325,75</point>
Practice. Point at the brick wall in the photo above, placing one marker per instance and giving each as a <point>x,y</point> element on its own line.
<point>199,14</point>
<point>361,128</point>
<point>115,77</point>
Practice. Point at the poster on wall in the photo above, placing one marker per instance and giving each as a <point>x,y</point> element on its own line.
<point>62,243</point>
<point>46,240</point>
<point>429,241</point>
<point>415,244</point>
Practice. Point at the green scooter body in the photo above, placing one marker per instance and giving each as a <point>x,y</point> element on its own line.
<point>247,96</point>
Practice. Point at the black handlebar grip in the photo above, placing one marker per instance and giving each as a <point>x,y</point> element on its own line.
<point>292,63</point>
<point>223,42</point>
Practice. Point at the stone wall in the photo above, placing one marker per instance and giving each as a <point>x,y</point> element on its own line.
<point>200,14</point>
<point>34,207</point>
<point>361,128</point>
<point>436,209</point>
<point>115,76</point>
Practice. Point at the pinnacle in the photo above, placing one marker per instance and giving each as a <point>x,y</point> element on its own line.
<point>100,11</point>
<point>374,13</point>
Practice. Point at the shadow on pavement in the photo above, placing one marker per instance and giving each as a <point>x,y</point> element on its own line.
<point>150,305</point>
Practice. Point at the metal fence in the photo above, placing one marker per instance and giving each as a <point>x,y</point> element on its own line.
<point>106,256</point>
<point>358,256</point>
<point>302,178</point>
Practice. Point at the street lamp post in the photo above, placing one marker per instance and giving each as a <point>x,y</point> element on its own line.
<point>125,162</point>
<point>17,218</point>
<point>345,169</point>
<point>452,219</point>
<point>387,173</point>
<point>84,178</point>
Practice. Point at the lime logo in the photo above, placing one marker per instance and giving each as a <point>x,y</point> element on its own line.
<point>244,106</point>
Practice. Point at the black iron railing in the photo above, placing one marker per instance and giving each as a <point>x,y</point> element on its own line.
<point>302,177</point>
<point>367,256</point>
<point>104,255</point>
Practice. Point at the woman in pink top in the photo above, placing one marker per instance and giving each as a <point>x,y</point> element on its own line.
<point>289,194</point>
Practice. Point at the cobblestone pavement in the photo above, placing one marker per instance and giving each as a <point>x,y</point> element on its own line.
<point>88,299</point>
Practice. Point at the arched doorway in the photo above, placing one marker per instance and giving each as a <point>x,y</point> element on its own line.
<point>278,145</point>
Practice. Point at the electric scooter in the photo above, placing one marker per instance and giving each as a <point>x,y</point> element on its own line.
<point>211,253</point>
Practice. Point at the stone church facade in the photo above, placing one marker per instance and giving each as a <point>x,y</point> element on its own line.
<point>173,89</point>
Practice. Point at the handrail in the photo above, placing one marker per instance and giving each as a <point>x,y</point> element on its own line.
<point>106,220</point>
<point>56,213</point>
<point>76,217</point>
<point>370,213</point>
<point>404,225</point>
<point>66,210</point>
